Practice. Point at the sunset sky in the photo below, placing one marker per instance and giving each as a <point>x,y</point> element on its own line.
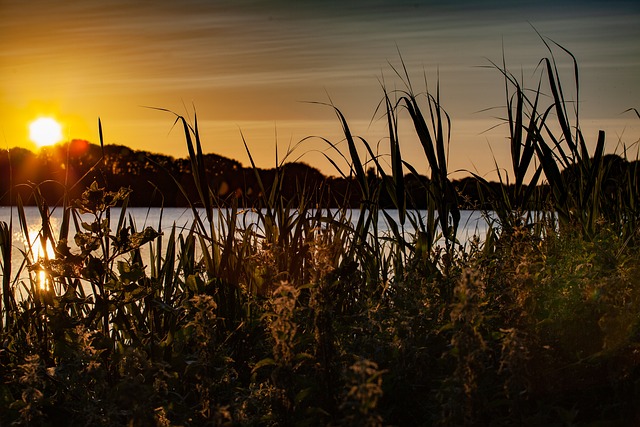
<point>254,66</point>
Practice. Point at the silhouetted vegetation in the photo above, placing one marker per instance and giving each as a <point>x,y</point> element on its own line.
<point>313,317</point>
<point>154,178</point>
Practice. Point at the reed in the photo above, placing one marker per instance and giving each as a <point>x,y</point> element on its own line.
<point>309,316</point>
<point>5,253</point>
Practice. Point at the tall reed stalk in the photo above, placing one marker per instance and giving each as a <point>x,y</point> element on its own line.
<point>284,313</point>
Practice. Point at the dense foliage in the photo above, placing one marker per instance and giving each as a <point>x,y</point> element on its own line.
<point>163,181</point>
<point>306,319</point>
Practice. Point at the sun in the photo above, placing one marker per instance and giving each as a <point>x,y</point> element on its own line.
<point>45,131</point>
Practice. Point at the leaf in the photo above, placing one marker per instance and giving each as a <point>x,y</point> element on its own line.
<point>137,240</point>
<point>130,273</point>
<point>264,362</point>
<point>302,356</point>
<point>195,283</point>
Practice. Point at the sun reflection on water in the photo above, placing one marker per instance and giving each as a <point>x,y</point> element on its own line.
<point>36,246</point>
<point>39,253</point>
<point>43,280</point>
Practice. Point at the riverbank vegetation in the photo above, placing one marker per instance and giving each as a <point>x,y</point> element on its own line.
<point>309,318</point>
<point>157,180</point>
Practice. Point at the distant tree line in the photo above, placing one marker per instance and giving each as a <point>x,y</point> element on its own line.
<point>160,180</point>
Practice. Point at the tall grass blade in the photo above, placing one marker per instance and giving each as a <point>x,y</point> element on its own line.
<point>101,136</point>
<point>7,300</point>
<point>397,170</point>
<point>355,157</point>
<point>594,173</point>
<point>559,107</point>
<point>197,167</point>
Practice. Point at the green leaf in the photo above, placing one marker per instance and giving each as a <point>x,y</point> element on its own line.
<point>195,283</point>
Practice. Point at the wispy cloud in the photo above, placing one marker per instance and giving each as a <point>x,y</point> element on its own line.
<point>240,58</point>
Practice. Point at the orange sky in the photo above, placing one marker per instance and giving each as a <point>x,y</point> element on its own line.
<point>251,66</point>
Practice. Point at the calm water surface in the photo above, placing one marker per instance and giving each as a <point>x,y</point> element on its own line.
<point>471,223</point>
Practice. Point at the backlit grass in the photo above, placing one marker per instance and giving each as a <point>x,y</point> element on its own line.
<point>310,317</point>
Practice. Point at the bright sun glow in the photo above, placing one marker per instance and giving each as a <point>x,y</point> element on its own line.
<point>45,131</point>
<point>38,253</point>
<point>36,247</point>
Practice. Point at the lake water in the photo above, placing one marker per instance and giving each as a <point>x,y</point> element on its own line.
<point>471,223</point>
